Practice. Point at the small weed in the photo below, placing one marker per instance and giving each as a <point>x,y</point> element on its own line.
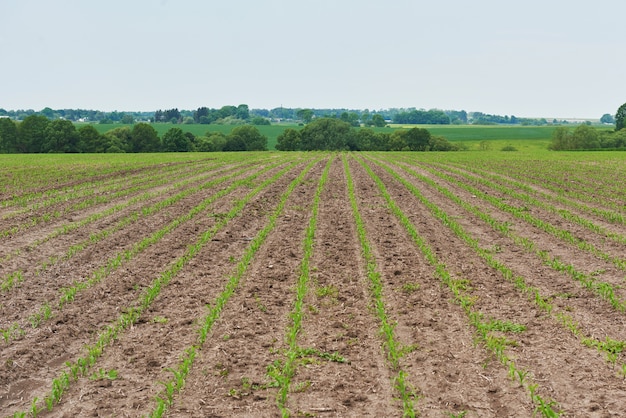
<point>159,320</point>
<point>301,387</point>
<point>103,374</point>
<point>410,287</point>
<point>327,291</point>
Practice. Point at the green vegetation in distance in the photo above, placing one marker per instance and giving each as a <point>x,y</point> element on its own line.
<point>523,137</point>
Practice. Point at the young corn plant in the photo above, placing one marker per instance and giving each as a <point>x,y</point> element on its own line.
<point>495,344</point>
<point>232,283</point>
<point>392,346</point>
<point>132,315</point>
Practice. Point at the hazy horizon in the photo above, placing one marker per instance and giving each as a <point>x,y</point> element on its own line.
<point>553,59</point>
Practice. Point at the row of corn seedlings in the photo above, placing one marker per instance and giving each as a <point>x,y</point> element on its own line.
<point>531,201</point>
<point>282,372</point>
<point>95,187</point>
<point>461,291</point>
<point>523,214</point>
<point>180,372</point>
<point>7,282</point>
<point>68,294</point>
<point>393,348</point>
<point>608,215</point>
<point>603,289</point>
<point>81,366</point>
<point>138,185</point>
<point>611,348</point>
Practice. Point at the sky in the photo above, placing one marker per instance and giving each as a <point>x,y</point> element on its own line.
<point>536,58</point>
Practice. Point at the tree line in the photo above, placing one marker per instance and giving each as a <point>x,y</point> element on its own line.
<point>584,137</point>
<point>332,134</point>
<point>38,134</point>
<point>241,114</point>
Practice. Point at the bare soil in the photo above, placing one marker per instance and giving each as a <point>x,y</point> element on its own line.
<point>449,369</point>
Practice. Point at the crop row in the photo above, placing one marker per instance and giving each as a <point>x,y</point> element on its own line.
<point>81,366</point>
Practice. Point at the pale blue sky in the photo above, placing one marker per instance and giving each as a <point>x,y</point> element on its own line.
<point>550,58</point>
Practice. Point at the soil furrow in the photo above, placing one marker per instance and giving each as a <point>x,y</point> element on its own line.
<point>545,346</point>
<point>77,322</point>
<point>442,361</point>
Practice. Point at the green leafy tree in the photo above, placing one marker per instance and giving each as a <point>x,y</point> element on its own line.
<point>607,118</point>
<point>306,115</point>
<point>60,136</point>
<point>378,121</point>
<point>250,137</point>
<point>242,112</point>
<point>144,138</point>
<point>417,139</point>
<point>289,140</point>
<point>117,140</point>
<point>325,134</point>
<point>8,136</point>
<point>211,142</point>
<point>32,133</point>
<point>175,140</point>
<point>127,119</point>
<point>585,137</point>
<point>90,140</point>
<point>620,118</point>
<point>351,118</point>
<point>397,141</point>
<point>561,139</point>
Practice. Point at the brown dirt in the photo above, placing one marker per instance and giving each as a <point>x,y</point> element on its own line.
<point>448,369</point>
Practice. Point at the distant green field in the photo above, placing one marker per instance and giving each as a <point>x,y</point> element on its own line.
<point>520,137</point>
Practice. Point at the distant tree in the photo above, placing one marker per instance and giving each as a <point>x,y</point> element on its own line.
<point>250,137</point>
<point>439,143</point>
<point>306,115</point>
<point>561,139</point>
<point>378,121</point>
<point>199,113</point>
<point>397,141</point>
<point>90,140</point>
<point>585,137</point>
<point>127,119</point>
<point>417,139</point>
<point>350,117</point>
<point>60,136</point>
<point>227,111</point>
<point>234,143</point>
<point>32,133</point>
<point>259,121</point>
<point>325,134</point>
<point>289,140</point>
<point>620,117</point>
<point>242,112</point>
<point>211,142</point>
<point>365,117</point>
<point>8,136</point>
<point>607,118</point>
<point>144,138</point>
<point>47,112</point>
<point>175,140</point>
<point>117,140</point>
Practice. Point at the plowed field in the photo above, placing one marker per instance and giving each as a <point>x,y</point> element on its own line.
<point>327,285</point>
